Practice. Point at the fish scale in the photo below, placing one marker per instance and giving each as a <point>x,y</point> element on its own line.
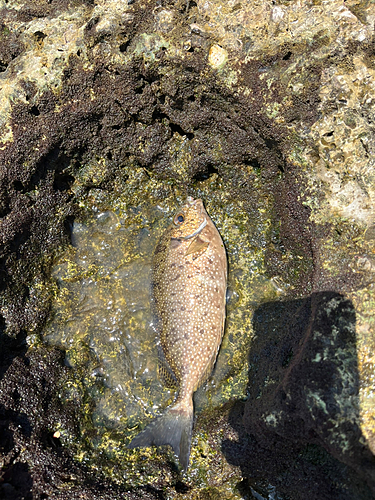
<point>189,279</point>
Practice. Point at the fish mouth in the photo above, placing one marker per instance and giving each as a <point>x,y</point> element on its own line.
<point>190,201</point>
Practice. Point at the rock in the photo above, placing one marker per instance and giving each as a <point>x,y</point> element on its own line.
<point>265,110</point>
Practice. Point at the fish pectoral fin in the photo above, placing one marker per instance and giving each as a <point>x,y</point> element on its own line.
<point>197,247</point>
<point>175,243</point>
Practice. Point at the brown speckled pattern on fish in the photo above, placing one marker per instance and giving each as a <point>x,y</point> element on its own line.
<point>189,286</point>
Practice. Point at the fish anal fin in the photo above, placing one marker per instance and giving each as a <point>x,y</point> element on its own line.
<point>165,372</point>
<point>197,247</point>
<point>206,374</point>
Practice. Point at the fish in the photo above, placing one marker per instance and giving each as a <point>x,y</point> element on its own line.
<point>189,281</point>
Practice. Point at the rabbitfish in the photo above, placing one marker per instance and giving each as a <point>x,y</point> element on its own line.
<point>189,279</point>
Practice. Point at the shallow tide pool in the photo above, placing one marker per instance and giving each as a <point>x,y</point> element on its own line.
<point>102,315</point>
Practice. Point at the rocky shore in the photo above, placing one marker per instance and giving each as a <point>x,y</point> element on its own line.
<point>265,110</point>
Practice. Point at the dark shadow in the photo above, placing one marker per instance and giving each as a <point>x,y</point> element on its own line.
<point>15,479</point>
<point>298,432</point>
<point>10,347</point>
<point>16,483</point>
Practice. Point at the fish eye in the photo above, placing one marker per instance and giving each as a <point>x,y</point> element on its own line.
<point>179,219</point>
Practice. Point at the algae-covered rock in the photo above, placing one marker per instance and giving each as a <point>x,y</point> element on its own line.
<point>111,113</point>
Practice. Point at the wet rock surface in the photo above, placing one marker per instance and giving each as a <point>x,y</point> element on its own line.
<point>264,107</point>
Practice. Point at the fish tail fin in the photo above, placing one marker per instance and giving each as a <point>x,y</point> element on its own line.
<point>174,427</point>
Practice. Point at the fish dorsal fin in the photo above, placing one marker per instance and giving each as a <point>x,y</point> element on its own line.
<point>197,247</point>
<point>165,372</point>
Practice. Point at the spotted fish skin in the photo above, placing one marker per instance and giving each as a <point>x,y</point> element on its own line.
<point>189,281</point>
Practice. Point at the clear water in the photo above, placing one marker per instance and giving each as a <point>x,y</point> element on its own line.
<point>103,308</point>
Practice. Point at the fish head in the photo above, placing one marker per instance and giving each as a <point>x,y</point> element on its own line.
<point>189,219</point>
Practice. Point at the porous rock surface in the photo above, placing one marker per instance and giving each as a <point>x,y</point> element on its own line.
<point>280,93</point>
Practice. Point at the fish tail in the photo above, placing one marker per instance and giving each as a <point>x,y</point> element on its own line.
<point>174,427</point>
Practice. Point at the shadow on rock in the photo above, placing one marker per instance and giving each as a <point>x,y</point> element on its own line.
<point>17,483</point>
<point>15,480</point>
<point>299,431</point>
<point>10,347</point>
